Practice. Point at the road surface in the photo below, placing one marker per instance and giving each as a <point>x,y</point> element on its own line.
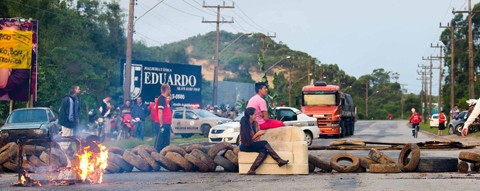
<point>386,131</point>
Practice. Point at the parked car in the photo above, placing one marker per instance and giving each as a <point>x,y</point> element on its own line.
<point>434,121</point>
<point>455,126</point>
<point>30,123</point>
<point>187,122</point>
<point>230,132</point>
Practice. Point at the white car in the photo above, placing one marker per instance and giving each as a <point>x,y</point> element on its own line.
<point>230,132</point>
<point>434,121</point>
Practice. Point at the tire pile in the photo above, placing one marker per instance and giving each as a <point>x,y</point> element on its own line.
<point>37,157</point>
<point>469,161</point>
<point>377,162</point>
<point>191,158</point>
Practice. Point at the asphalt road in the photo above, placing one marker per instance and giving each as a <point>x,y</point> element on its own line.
<point>384,131</point>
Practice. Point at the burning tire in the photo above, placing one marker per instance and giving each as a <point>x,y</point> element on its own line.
<point>172,148</point>
<point>180,161</point>
<point>219,147</point>
<point>202,167</point>
<point>205,158</point>
<point>412,164</point>
<point>118,160</point>
<point>136,161</point>
<point>365,162</point>
<point>226,164</point>
<point>8,152</point>
<point>164,162</point>
<point>469,157</point>
<point>325,166</point>
<point>385,168</point>
<point>345,157</point>
<point>62,157</point>
<point>116,150</point>
<point>231,157</point>
<point>144,154</point>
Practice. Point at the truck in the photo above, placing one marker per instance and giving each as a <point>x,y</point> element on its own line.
<point>334,110</point>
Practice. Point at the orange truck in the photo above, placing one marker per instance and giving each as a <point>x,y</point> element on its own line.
<point>334,110</point>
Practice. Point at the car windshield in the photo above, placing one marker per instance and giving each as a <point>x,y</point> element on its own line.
<point>28,116</point>
<point>204,113</point>
<point>318,99</point>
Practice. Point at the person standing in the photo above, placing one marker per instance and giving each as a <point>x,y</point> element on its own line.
<point>67,118</point>
<point>164,118</point>
<point>154,116</point>
<point>454,112</point>
<point>415,119</point>
<point>106,110</point>
<point>77,90</point>
<point>260,105</point>
<point>140,113</point>
<point>441,123</point>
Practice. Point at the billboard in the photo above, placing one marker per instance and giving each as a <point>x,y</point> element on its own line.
<point>147,78</point>
<point>18,59</point>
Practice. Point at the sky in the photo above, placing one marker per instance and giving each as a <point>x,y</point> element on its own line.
<point>359,36</point>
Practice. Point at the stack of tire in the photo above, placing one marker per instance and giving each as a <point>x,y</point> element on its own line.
<point>377,162</point>
<point>37,157</point>
<point>469,162</point>
<point>191,158</point>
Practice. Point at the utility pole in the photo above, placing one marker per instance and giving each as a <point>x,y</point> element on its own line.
<point>128,61</point>
<point>471,74</point>
<point>430,97</point>
<point>366,99</point>
<point>217,44</point>
<point>440,78</point>
<point>401,100</point>
<point>424,74</point>
<point>264,43</point>
<point>452,60</point>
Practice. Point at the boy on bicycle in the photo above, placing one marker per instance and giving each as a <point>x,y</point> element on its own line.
<point>415,119</point>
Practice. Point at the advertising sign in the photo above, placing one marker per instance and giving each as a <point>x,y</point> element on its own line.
<point>147,78</point>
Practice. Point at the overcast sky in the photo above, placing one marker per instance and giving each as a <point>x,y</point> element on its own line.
<point>359,36</point>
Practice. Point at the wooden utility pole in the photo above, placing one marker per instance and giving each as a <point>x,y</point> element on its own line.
<point>217,44</point>
<point>471,72</point>
<point>424,74</point>
<point>366,99</point>
<point>452,62</point>
<point>128,61</point>
<point>401,100</point>
<point>440,78</point>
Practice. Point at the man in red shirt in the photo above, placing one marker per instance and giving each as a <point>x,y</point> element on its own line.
<point>154,116</point>
<point>164,118</point>
<point>441,123</point>
<point>415,119</point>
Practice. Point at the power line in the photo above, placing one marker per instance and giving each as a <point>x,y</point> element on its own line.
<point>252,19</point>
<point>149,10</point>
<point>199,9</point>
<point>191,14</point>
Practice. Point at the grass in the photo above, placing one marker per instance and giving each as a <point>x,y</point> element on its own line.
<point>177,140</point>
<point>434,130</point>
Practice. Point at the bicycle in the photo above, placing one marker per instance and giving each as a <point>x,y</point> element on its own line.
<point>415,130</point>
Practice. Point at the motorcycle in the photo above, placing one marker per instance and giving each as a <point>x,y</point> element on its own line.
<point>127,127</point>
<point>95,124</point>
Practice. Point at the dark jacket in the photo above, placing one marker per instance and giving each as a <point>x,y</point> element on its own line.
<point>140,111</point>
<point>67,116</point>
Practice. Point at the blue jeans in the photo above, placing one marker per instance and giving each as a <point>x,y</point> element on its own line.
<point>155,128</point>
<point>140,130</point>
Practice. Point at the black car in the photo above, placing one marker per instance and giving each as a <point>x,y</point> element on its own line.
<point>455,126</point>
<point>30,123</point>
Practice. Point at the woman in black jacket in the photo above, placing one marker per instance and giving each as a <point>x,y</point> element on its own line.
<point>250,141</point>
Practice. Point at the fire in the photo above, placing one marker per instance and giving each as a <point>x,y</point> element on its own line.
<point>92,164</point>
<point>26,180</point>
<point>22,180</point>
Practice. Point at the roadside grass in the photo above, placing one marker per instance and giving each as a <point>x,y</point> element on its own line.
<point>177,140</point>
<point>434,130</point>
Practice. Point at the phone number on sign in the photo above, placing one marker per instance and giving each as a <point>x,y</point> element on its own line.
<point>178,96</point>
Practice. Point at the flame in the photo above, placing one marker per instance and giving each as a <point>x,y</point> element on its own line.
<point>22,180</point>
<point>91,165</point>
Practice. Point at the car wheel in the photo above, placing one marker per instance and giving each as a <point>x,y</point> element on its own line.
<point>458,129</point>
<point>343,132</point>
<point>450,130</point>
<point>308,138</point>
<point>205,130</point>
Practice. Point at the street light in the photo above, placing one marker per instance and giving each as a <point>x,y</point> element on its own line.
<point>366,102</point>
<point>248,34</point>
<point>287,57</point>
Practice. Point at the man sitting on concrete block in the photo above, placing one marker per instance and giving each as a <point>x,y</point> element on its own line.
<point>261,111</point>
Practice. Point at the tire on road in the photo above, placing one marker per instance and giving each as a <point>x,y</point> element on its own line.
<point>147,148</point>
<point>231,157</point>
<point>385,168</point>
<point>361,169</point>
<point>311,168</point>
<point>438,164</point>
<point>412,164</point>
<point>12,166</point>
<point>190,147</point>
<point>36,161</point>
<point>113,168</point>
<point>212,152</point>
<point>379,157</point>
<point>365,162</point>
<point>144,154</point>
<point>475,167</point>
<point>345,157</point>
<point>136,161</point>
<point>225,163</point>
<point>317,162</point>
<point>205,158</point>
<point>180,161</point>
<point>469,157</point>
<point>116,150</point>
<point>202,167</point>
<point>173,148</point>
<point>8,152</point>
<point>33,149</point>
<point>118,160</point>
<point>463,167</point>
<point>164,162</point>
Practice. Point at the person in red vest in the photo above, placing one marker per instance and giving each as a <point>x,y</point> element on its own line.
<point>441,123</point>
<point>415,119</point>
